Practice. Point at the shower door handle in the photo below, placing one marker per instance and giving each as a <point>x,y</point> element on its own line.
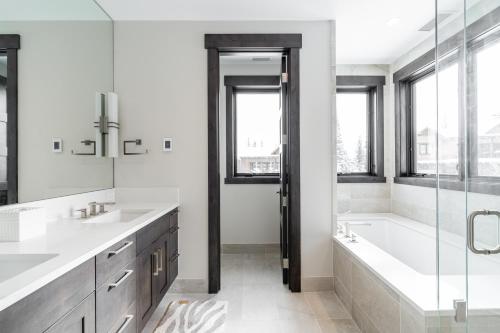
<point>471,232</point>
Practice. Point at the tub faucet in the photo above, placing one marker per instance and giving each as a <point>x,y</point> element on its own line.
<point>348,233</point>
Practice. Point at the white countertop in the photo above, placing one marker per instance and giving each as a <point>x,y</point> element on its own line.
<point>74,243</point>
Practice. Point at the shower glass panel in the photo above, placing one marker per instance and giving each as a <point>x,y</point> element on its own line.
<point>468,165</point>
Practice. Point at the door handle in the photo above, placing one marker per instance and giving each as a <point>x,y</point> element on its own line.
<point>128,272</point>
<point>128,320</point>
<point>120,249</point>
<point>471,232</point>
<point>155,259</point>
<point>160,260</point>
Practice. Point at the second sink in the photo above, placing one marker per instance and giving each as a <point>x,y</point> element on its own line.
<point>118,216</point>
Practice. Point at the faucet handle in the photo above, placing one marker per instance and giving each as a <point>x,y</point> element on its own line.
<point>103,204</point>
<point>83,213</point>
<point>353,239</point>
<point>340,229</point>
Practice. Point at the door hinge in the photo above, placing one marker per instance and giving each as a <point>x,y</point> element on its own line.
<point>285,201</point>
<point>460,307</point>
<point>284,77</point>
<point>285,263</point>
<point>284,139</point>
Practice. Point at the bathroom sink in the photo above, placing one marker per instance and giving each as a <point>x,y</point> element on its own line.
<point>118,216</point>
<point>15,264</point>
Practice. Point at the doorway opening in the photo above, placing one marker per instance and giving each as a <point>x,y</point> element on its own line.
<point>254,142</point>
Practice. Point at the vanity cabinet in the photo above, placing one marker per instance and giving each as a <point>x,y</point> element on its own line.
<point>79,320</point>
<point>156,271</point>
<point>116,274</point>
<point>39,311</point>
<point>116,291</point>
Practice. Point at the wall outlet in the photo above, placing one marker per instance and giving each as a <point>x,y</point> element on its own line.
<point>57,145</point>
<point>167,144</point>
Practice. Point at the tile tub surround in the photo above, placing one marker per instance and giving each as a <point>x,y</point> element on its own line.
<point>75,243</point>
<point>363,198</point>
<point>258,301</point>
<point>385,294</point>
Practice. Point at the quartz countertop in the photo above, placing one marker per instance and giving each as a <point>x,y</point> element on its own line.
<point>74,243</point>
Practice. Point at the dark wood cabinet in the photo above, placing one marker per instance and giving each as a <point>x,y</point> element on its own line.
<point>117,290</point>
<point>156,265</point>
<point>163,269</point>
<point>173,248</point>
<point>79,320</point>
<point>146,285</point>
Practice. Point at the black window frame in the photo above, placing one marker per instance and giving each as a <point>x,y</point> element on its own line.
<point>450,50</point>
<point>374,87</point>
<point>243,84</point>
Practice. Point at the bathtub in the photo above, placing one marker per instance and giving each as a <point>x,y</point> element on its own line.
<point>395,258</point>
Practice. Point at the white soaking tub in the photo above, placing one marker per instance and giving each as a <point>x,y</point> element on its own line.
<point>401,255</point>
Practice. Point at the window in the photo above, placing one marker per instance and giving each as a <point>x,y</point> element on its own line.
<point>459,139</point>
<point>424,122</point>
<point>486,134</point>
<point>360,129</point>
<point>352,139</point>
<point>253,133</point>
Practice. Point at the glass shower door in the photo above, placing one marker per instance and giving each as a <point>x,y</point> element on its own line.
<point>468,209</point>
<point>482,19</point>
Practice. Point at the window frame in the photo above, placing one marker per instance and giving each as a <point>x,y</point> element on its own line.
<point>450,50</point>
<point>374,86</point>
<point>242,84</point>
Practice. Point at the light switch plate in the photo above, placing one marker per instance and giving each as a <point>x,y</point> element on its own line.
<point>167,144</point>
<point>57,145</point>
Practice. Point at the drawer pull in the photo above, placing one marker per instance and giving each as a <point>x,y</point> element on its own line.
<point>173,229</point>
<point>155,263</point>
<point>128,320</point>
<point>128,272</point>
<point>160,268</point>
<point>120,249</point>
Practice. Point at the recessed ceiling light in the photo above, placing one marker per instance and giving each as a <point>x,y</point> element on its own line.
<point>393,22</point>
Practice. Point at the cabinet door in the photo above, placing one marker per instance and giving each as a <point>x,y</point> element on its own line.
<point>163,270</point>
<point>80,320</point>
<point>173,248</point>
<point>146,284</point>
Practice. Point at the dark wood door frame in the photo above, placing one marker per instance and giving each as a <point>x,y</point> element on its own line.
<point>9,45</point>
<point>290,45</point>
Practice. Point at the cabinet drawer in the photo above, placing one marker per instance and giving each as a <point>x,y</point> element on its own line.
<point>114,298</point>
<point>152,232</point>
<point>127,323</point>
<point>40,310</point>
<point>80,320</point>
<point>114,258</point>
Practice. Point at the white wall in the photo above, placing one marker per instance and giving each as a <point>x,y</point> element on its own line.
<point>161,71</point>
<point>373,197</point>
<point>61,65</point>
<point>249,212</point>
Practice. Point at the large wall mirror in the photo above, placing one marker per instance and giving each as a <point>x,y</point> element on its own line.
<point>55,56</point>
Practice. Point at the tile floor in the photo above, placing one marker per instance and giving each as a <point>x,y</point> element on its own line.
<point>258,301</point>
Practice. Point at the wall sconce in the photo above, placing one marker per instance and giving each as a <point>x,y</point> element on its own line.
<point>106,124</point>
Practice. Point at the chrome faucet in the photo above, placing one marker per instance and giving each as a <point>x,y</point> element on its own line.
<point>348,233</point>
<point>93,208</point>
<point>102,206</point>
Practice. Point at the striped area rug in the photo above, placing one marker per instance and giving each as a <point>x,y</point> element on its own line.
<point>193,317</point>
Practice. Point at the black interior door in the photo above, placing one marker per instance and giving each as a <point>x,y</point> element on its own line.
<point>284,171</point>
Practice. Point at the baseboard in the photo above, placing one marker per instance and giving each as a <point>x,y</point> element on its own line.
<point>189,286</point>
<point>321,283</point>
<point>250,248</point>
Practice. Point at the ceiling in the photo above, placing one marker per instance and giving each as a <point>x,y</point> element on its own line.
<point>368,31</point>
